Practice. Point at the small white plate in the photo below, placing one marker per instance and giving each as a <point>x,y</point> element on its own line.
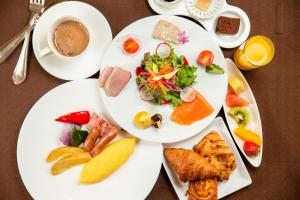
<point>209,20</point>
<point>86,64</point>
<point>254,124</point>
<point>124,107</point>
<point>39,135</point>
<point>239,178</point>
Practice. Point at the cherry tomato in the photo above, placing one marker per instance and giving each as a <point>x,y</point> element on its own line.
<point>142,119</point>
<point>205,58</point>
<point>165,101</point>
<point>138,71</point>
<point>131,46</point>
<point>185,62</point>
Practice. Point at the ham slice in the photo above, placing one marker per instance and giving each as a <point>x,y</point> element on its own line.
<point>116,81</point>
<point>104,74</point>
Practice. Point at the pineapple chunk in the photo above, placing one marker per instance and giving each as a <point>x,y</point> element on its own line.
<point>236,85</point>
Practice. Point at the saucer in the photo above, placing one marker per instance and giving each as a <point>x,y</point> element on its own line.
<point>86,64</point>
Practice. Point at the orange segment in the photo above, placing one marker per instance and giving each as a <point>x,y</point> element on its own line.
<point>188,113</point>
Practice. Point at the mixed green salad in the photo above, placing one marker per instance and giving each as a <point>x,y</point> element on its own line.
<point>163,76</point>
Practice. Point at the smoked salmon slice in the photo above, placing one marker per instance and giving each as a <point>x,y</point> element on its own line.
<point>188,113</point>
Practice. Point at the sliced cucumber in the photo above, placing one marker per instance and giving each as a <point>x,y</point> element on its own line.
<point>214,69</point>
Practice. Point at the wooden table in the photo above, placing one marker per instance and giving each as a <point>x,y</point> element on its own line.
<point>276,88</point>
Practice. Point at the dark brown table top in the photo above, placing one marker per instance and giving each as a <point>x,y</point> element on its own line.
<point>276,88</point>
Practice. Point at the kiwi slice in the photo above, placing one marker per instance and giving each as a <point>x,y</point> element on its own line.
<point>240,115</point>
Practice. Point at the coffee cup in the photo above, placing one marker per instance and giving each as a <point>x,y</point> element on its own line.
<point>68,37</point>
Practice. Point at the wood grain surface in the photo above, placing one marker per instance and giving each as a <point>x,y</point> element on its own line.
<point>276,88</point>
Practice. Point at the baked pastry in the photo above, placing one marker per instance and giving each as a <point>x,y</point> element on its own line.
<point>216,152</point>
<point>166,31</point>
<point>228,25</point>
<point>189,165</point>
<point>203,190</point>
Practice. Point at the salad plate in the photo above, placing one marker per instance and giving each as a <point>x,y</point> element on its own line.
<point>128,103</point>
<point>209,19</point>
<point>238,179</point>
<point>39,134</point>
<point>255,121</point>
<point>85,65</point>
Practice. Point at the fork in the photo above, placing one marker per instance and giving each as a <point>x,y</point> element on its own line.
<point>20,71</point>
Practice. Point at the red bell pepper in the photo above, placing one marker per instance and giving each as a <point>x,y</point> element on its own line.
<point>80,118</point>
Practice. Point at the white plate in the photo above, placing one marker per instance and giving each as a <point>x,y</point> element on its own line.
<point>86,64</point>
<point>124,107</point>
<point>40,134</point>
<point>254,124</point>
<point>224,9</point>
<point>238,179</point>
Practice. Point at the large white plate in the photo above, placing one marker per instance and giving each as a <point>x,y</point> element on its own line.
<point>238,179</point>
<point>124,107</point>
<point>84,65</point>
<point>39,135</point>
<point>254,124</point>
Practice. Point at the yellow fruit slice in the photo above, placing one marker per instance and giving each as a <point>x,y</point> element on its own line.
<point>236,85</point>
<point>108,161</point>
<point>248,136</point>
<point>61,152</point>
<point>70,161</point>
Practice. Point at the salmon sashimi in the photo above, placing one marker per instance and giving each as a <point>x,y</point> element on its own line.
<point>188,113</point>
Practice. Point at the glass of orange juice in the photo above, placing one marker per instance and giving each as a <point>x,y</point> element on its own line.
<point>256,52</point>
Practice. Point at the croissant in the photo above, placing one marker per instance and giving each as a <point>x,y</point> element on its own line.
<point>190,165</point>
<point>215,150</point>
<point>203,190</point>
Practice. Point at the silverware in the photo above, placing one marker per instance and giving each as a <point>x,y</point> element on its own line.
<point>20,72</point>
<point>8,47</point>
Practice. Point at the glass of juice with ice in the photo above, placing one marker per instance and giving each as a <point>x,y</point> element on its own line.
<point>256,52</point>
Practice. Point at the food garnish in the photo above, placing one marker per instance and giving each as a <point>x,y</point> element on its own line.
<point>70,161</point>
<point>251,149</point>
<point>188,113</point>
<point>131,45</point>
<point>235,84</point>
<point>183,38</point>
<point>188,94</point>
<point>78,137</point>
<point>107,162</point>
<point>156,120</point>
<point>163,50</point>
<point>166,31</point>
<point>248,135</point>
<point>240,115</point>
<point>163,75</point>
<point>228,25</point>
<point>80,118</point>
<point>205,58</point>
<point>214,69</point>
<point>62,152</point>
<point>142,119</point>
<point>233,100</point>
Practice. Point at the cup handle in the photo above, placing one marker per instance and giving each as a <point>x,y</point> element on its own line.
<point>45,51</point>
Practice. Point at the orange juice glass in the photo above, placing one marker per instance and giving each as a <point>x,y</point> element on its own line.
<point>256,52</point>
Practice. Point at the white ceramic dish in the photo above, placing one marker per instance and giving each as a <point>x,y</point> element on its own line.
<point>40,134</point>
<point>239,178</point>
<point>124,107</point>
<point>254,124</point>
<point>84,65</point>
<point>209,20</point>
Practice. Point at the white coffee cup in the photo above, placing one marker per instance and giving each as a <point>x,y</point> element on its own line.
<point>50,48</point>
